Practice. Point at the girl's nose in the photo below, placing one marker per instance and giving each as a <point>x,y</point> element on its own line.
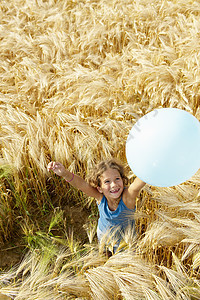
<point>112,184</point>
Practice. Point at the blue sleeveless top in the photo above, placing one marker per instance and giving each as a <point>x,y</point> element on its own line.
<point>121,217</point>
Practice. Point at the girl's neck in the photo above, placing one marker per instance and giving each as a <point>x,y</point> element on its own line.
<point>113,203</point>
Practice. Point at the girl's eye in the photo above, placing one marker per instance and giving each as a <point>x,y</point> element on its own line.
<point>118,178</point>
<point>107,181</point>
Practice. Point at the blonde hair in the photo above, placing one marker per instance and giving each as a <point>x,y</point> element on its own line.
<point>94,178</point>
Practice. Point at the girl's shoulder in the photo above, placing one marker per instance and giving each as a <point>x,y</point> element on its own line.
<point>128,200</point>
<point>124,195</point>
<point>101,199</point>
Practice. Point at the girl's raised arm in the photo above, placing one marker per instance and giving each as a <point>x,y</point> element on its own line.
<point>132,192</point>
<point>136,186</point>
<point>74,180</point>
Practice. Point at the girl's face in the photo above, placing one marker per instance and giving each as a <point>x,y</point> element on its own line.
<point>111,184</point>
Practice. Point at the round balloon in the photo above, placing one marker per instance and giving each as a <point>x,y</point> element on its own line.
<point>163,147</point>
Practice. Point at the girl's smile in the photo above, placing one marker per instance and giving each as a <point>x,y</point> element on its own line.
<point>111,184</point>
<point>115,191</point>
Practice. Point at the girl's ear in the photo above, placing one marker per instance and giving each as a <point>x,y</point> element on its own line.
<point>99,189</point>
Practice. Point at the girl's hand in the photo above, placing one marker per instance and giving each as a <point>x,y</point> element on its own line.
<point>57,168</point>
<point>74,180</point>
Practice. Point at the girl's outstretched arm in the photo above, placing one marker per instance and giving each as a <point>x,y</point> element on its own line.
<point>136,186</point>
<point>132,192</point>
<point>74,180</point>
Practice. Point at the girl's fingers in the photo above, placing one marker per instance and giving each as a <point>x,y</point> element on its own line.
<point>51,166</point>
<point>54,166</point>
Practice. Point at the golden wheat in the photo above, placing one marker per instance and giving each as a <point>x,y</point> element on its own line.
<point>75,77</point>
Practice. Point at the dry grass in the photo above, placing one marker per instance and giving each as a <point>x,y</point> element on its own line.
<point>74,78</point>
<point>124,276</point>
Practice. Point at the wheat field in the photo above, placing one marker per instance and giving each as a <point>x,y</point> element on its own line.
<point>75,77</point>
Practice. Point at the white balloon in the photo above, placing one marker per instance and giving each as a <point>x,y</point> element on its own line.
<point>163,147</point>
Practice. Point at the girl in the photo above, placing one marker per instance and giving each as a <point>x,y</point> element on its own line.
<point>107,185</point>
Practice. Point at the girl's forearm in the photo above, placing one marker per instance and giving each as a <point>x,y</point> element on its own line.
<point>75,180</point>
<point>80,183</point>
<point>69,176</point>
<point>138,184</point>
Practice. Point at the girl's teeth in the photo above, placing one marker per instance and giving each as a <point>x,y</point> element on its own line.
<point>114,191</point>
